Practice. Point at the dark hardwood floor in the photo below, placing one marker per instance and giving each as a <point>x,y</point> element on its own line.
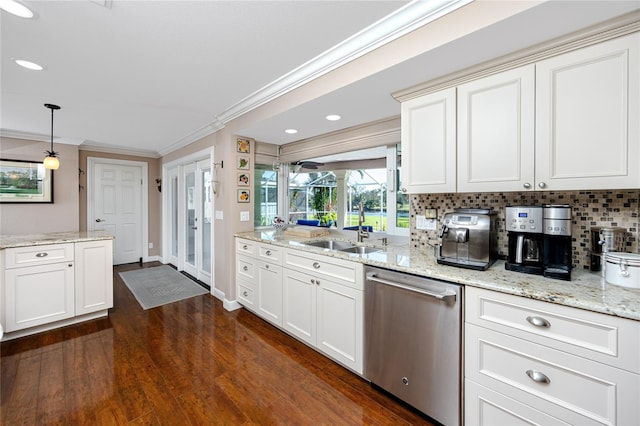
<point>190,362</point>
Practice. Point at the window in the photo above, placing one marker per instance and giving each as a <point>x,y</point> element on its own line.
<point>266,195</point>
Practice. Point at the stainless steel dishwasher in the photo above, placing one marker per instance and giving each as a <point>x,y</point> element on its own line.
<point>413,331</point>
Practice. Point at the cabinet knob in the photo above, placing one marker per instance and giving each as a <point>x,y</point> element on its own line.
<point>245,268</point>
<point>542,185</point>
<point>244,247</point>
<point>538,377</point>
<point>266,266</point>
<point>404,189</point>
<point>268,253</point>
<point>245,294</point>
<point>539,322</point>
<point>316,265</point>
<point>313,281</point>
<point>70,265</point>
<point>43,254</point>
<point>526,185</point>
<point>317,282</point>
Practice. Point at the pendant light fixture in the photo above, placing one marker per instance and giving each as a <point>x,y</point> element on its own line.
<point>51,160</point>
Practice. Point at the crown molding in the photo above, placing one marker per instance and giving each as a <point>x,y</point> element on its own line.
<point>403,21</point>
<point>17,134</point>
<point>118,150</point>
<point>193,137</point>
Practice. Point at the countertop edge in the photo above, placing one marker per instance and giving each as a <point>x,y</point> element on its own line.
<point>15,241</point>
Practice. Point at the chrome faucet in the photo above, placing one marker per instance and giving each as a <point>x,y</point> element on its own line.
<point>362,233</point>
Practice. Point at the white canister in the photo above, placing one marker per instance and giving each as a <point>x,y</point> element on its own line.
<point>623,269</point>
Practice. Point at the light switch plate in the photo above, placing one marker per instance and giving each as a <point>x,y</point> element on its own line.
<point>244,216</point>
<point>426,224</point>
<point>219,215</point>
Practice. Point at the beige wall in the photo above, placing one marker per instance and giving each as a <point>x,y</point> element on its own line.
<point>60,216</point>
<point>154,196</point>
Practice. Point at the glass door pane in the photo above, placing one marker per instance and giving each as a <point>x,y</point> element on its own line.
<point>174,214</point>
<point>192,221</point>
<point>206,214</point>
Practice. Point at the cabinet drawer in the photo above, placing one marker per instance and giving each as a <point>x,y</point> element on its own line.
<point>270,253</point>
<point>245,267</point>
<point>38,255</point>
<point>245,247</point>
<point>604,338</point>
<point>587,388</point>
<point>246,292</point>
<point>345,271</point>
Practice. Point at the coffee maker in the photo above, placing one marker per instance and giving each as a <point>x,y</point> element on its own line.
<point>526,239</point>
<point>557,251</point>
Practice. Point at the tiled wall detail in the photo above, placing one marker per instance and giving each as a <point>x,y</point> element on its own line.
<point>589,208</point>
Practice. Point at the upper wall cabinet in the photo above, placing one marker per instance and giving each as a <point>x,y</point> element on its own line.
<point>587,117</point>
<point>429,143</point>
<point>496,132</point>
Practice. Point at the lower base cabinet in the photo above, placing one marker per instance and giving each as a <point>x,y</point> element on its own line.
<point>316,299</point>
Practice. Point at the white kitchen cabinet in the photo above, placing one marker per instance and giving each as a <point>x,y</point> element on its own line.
<point>496,132</point>
<point>51,285</point>
<point>259,279</point>
<point>587,109</point>
<point>326,315</point>
<point>428,135</point>
<point>549,364</point>
<point>93,276</point>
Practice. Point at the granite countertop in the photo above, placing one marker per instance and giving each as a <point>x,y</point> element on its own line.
<point>586,290</point>
<point>11,241</point>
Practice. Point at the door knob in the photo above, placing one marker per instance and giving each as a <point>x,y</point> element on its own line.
<point>101,220</point>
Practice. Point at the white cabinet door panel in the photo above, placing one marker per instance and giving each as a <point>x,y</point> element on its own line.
<point>587,109</point>
<point>428,137</point>
<point>94,276</point>
<point>496,132</point>
<point>299,305</point>
<point>269,292</point>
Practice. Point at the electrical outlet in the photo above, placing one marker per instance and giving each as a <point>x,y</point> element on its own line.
<point>431,213</point>
<point>426,224</point>
<point>219,215</point>
<point>150,245</point>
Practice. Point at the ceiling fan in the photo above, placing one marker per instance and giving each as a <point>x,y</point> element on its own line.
<point>306,165</point>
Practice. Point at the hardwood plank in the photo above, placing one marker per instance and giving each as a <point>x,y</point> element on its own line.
<point>190,362</point>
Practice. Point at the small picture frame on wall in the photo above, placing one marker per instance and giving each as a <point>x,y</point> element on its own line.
<point>244,195</point>
<point>243,179</point>
<point>244,146</point>
<point>243,162</point>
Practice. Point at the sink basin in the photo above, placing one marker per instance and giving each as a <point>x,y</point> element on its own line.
<point>331,245</point>
<point>360,250</point>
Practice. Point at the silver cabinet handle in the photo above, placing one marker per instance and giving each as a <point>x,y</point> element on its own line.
<point>268,253</point>
<point>317,282</point>
<point>440,296</point>
<point>101,220</point>
<point>527,185</point>
<point>244,247</point>
<point>539,322</point>
<point>266,266</point>
<point>245,268</point>
<point>313,281</point>
<point>542,185</point>
<point>70,265</point>
<point>43,254</point>
<point>316,265</point>
<point>538,377</point>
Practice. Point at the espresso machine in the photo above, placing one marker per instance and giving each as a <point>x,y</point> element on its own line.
<point>469,239</point>
<point>526,239</point>
<point>557,250</point>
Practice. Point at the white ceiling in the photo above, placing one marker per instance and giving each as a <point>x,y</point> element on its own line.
<point>143,76</point>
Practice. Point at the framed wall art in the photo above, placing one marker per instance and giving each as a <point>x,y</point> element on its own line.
<point>244,146</point>
<point>25,182</point>
<point>243,163</point>
<point>244,195</point>
<point>243,179</point>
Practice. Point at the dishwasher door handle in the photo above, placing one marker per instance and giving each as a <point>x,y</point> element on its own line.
<point>440,296</point>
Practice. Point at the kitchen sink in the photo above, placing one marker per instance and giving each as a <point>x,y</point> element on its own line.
<point>360,250</point>
<point>331,245</point>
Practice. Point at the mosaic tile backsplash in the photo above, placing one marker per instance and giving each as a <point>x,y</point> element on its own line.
<point>589,208</point>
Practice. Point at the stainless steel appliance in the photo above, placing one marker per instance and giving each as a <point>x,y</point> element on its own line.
<point>524,231</point>
<point>558,252</point>
<point>469,238</point>
<point>605,240</point>
<point>413,331</point>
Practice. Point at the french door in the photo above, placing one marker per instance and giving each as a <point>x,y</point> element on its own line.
<point>190,219</point>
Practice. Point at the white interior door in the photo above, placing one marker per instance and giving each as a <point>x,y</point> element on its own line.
<point>115,204</point>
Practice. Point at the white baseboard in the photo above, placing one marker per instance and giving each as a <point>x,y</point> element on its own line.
<point>231,305</point>
<point>152,259</point>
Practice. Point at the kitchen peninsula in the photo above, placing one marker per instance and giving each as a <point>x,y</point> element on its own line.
<point>52,280</point>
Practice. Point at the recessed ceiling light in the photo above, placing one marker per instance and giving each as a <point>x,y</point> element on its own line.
<point>28,64</point>
<point>16,8</point>
<point>333,117</point>
<point>291,131</point>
